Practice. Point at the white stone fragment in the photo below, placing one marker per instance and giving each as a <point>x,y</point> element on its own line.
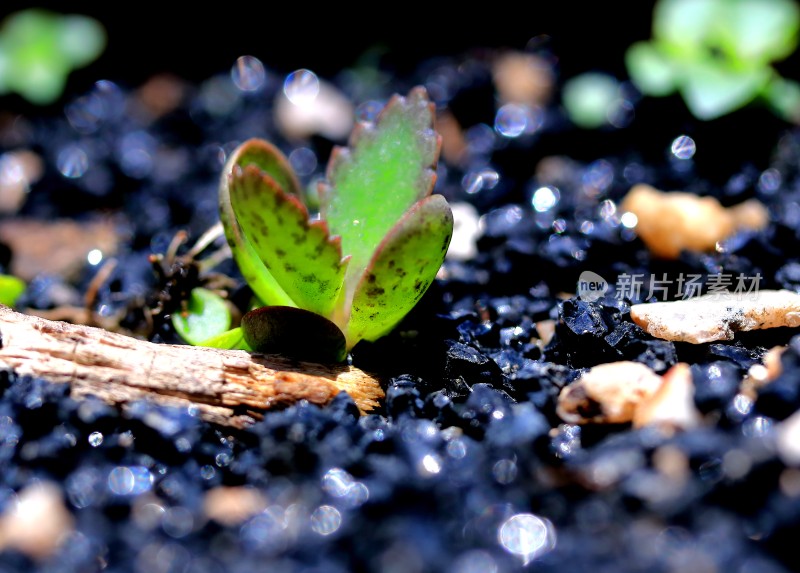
<point>466,230</point>
<point>330,114</point>
<point>608,393</point>
<point>38,523</point>
<point>788,440</point>
<point>672,406</point>
<point>718,316</point>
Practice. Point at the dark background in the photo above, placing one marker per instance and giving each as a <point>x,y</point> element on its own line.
<point>145,38</point>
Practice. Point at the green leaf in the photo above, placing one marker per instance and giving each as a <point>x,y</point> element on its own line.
<point>10,289</point>
<point>293,332</point>
<point>207,316</point>
<point>389,166</point>
<point>301,256</point>
<point>81,39</point>
<point>38,50</point>
<point>275,167</point>
<point>711,91</point>
<point>232,339</point>
<point>784,97</point>
<point>760,31</point>
<point>650,69</point>
<point>402,269</point>
<point>685,25</point>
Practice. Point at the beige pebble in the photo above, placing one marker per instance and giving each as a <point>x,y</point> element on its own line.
<point>672,406</point>
<point>233,505</point>
<point>38,523</point>
<point>717,316</point>
<point>523,78</point>
<point>454,144</point>
<point>669,223</point>
<point>608,393</point>
<point>329,114</point>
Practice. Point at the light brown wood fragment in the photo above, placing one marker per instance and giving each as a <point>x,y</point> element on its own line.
<point>227,387</point>
<point>37,523</point>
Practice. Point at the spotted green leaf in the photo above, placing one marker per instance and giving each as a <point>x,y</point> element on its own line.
<point>277,173</point>
<point>402,269</point>
<point>207,316</point>
<point>298,253</point>
<point>389,166</point>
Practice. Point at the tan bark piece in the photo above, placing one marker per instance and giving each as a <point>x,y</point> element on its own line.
<point>717,316</point>
<point>226,387</point>
<point>608,393</point>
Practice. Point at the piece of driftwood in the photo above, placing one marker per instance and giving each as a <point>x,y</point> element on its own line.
<point>226,387</point>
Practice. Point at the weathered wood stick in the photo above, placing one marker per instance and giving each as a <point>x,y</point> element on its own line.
<point>227,387</point>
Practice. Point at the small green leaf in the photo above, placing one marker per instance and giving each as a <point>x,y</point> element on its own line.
<point>389,166</point>
<point>207,317</point>
<point>305,262</point>
<point>10,289</point>
<point>293,332</point>
<point>711,91</point>
<point>685,25</point>
<point>760,31</point>
<point>403,268</point>
<point>38,50</point>
<point>650,69</point>
<point>232,339</point>
<point>784,97</point>
<point>275,167</point>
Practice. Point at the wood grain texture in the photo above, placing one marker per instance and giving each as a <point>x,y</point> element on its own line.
<point>227,387</point>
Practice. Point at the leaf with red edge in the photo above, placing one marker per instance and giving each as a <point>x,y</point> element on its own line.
<point>389,166</point>
<point>298,253</point>
<point>277,173</point>
<point>401,270</point>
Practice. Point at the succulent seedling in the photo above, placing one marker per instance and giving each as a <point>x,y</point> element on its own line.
<point>355,271</point>
<point>717,54</point>
<point>39,49</point>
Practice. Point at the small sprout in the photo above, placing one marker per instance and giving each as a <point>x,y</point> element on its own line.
<point>10,289</point>
<point>717,54</point>
<point>207,317</point>
<point>39,49</point>
<point>591,99</point>
<point>376,248</point>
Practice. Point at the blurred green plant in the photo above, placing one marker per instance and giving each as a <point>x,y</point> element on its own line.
<point>39,49</point>
<point>717,54</point>
<point>10,289</point>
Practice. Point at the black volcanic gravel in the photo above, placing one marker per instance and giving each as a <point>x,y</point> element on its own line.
<point>466,468</point>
